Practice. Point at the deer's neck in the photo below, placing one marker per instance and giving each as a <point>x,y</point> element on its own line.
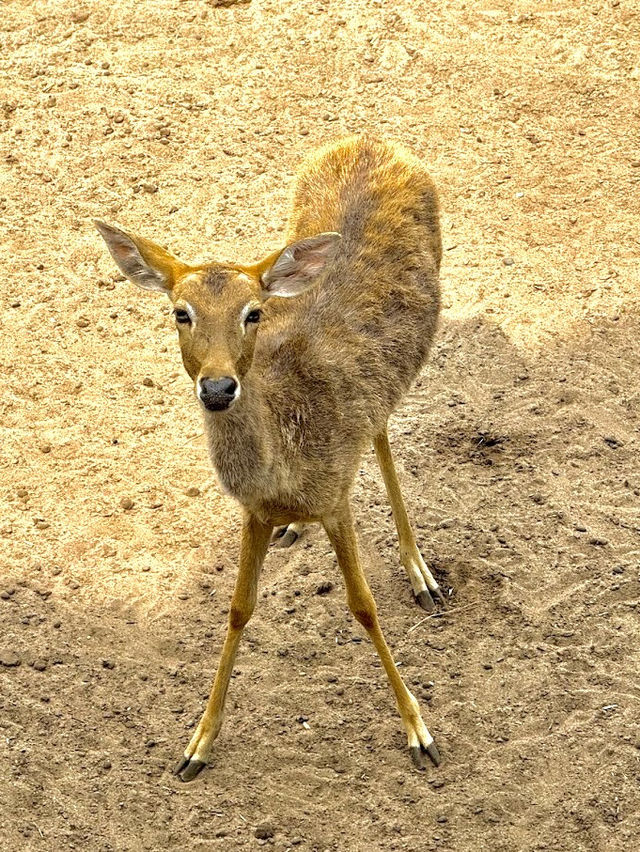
<point>240,444</point>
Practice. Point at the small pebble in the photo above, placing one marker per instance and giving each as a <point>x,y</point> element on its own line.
<point>40,665</point>
<point>324,588</point>
<point>147,382</point>
<point>264,831</point>
<point>9,659</point>
<point>193,491</point>
<point>126,503</point>
<point>508,261</point>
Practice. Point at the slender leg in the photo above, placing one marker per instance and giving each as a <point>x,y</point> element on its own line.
<point>287,535</point>
<point>255,541</point>
<point>423,582</point>
<point>361,603</point>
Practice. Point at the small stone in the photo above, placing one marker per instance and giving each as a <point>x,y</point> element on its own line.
<point>108,664</point>
<point>324,588</point>
<point>149,187</point>
<point>5,595</point>
<point>147,382</point>
<point>106,764</point>
<point>264,831</point>
<point>126,503</point>
<point>41,524</point>
<point>508,261</point>
<point>80,16</point>
<point>9,659</point>
<point>82,322</point>
<point>45,448</point>
<point>40,665</point>
<point>57,624</point>
<point>193,491</point>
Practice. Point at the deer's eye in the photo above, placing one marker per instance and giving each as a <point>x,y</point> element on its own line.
<point>182,316</point>
<point>254,316</point>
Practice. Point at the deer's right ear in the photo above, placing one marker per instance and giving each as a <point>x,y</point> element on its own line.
<point>143,262</point>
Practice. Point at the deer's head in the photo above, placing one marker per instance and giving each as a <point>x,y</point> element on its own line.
<point>217,306</point>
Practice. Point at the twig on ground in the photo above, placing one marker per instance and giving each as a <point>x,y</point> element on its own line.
<point>440,615</point>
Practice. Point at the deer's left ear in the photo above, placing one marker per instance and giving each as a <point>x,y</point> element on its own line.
<point>296,268</point>
<point>143,262</point>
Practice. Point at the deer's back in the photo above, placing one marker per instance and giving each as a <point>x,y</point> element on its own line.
<point>339,358</point>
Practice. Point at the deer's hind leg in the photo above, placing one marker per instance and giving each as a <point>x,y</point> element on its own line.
<point>287,535</point>
<point>423,583</point>
<point>255,541</point>
<point>361,603</point>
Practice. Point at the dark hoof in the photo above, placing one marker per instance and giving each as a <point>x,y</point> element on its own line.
<point>426,601</point>
<point>418,755</point>
<point>434,754</point>
<point>284,537</point>
<point>187,769</point>
<point>440,597</point>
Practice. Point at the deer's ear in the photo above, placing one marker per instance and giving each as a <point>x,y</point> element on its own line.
<point>143,262</point>
<point>296,268</point>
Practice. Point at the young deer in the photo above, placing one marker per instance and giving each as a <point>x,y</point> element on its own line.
<point>293,390</point>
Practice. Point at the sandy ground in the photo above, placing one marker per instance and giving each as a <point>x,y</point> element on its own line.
<point>518,447</point>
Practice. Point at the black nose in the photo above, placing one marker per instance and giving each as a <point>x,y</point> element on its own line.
<point>217,394</point>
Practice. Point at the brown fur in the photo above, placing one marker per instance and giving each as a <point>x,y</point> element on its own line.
<point>319,375</point>
<point>330,365</point>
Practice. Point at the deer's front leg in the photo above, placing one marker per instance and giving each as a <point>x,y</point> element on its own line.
<point>255,541</point>
<point>361,603</point>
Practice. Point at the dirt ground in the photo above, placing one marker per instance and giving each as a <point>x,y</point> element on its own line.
<point>517,448</point>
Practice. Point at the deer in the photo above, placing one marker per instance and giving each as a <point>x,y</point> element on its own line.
<point>298,360</point>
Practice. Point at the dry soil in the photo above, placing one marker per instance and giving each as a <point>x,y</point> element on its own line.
<point>517,448</point>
